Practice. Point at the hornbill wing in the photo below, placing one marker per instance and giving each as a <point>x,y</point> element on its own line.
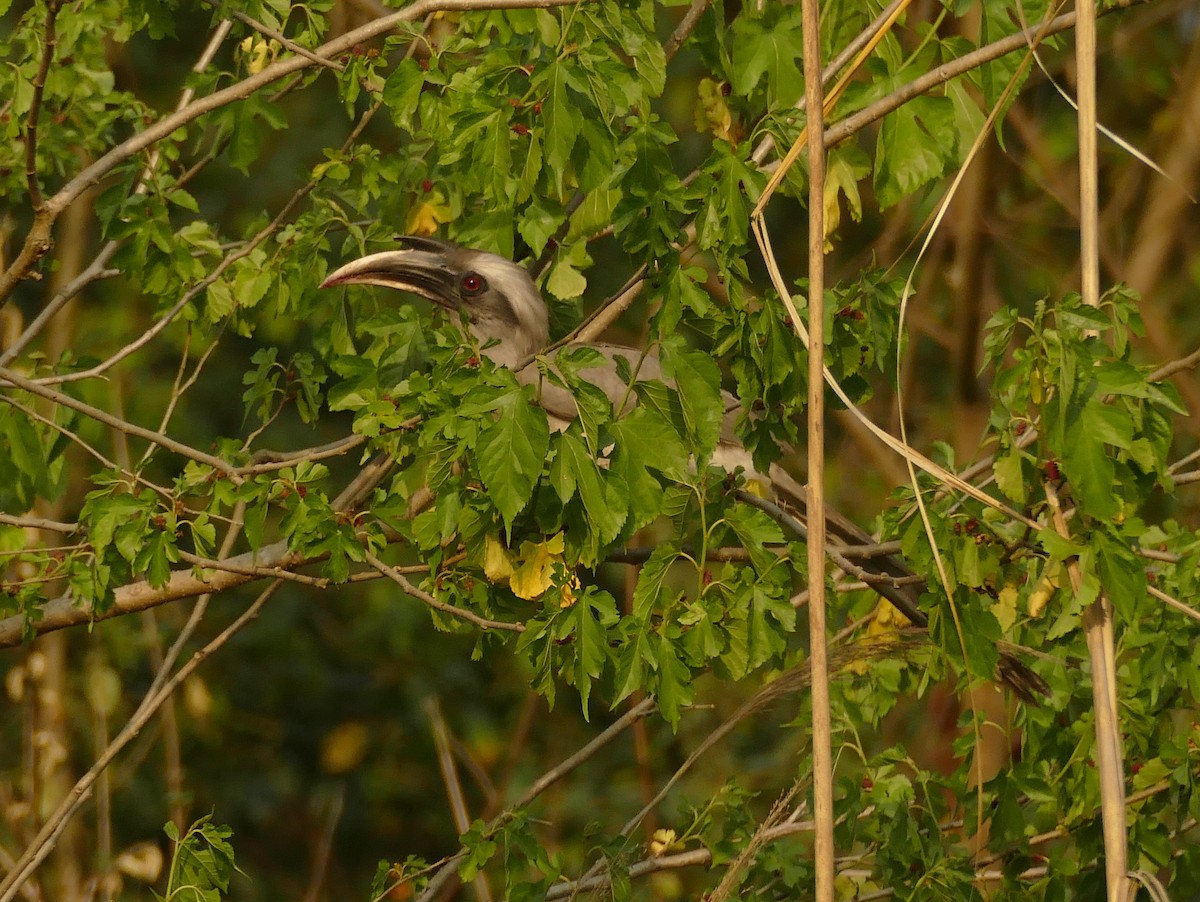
<point>642,367</point>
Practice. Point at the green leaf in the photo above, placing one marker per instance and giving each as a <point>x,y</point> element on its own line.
<point>650,580</point>
<point>562,119</point>
<point>637,657</point>
<point>403,90</point>
<point>645,442</point>
<point>1010,475</point>
<point>604,499</point>
<point>770,619</point>
<point>591,613</point>
<point>915,143</point>
<point>566,280</point>
<point>769,52</point>
<point>755,530</point>
<point>510,453</point>
<point>698,381</point>
<point>673,687</point>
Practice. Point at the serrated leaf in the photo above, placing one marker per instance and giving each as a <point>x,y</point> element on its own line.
<point>755,530</point>
<point>698,381</point>
<point>590,615</point>
<point>510,453</point>
<point>915,142</point>
<point>673,686</point>
<point>1010,477</point>
<point>604,500</point>
<point>403,90</point>
<point>535,573</point>
<point>770,53</point>
<point>562,120</point>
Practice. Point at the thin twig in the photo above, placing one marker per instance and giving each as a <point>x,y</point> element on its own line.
<point>320,865</point>
<point>453,785</point>
<point>685,27</point>
<point>483,623</point>
<point>1173,602</point>
<point>449,868</point>
<point>35,106</point>
<point>287,42</point>
<point>117,423</point>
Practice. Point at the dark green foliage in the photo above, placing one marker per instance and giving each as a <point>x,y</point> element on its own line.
<point>564,138</point>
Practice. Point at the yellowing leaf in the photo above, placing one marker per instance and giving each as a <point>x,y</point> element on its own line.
<point>533,577</point>
<point>883,626</point>
<point>712,112</point>
<point>887,619</point>
<point>142,861</point>
<point>258,53</point>
<point>841,177</point>
<point>567,592</point>
<point>1049,583</point>
<point>426,216</point>
<point>1005,608</point>
<point>497,563</point>
<point>663,841</point>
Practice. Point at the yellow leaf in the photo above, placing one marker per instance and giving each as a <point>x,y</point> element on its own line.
<point>756,485</point>
<point>534,574</point>
<point>497,563</point>
<point>425,217</point>
<point>1005,608</point>
<point>1043,591</point>
<point>885,623</point>
<point>887,619</point>
<point>258,53</point>
<point>712,112</point>
<point>567,592</point>
<point>142,861</point>
<point>840,178</point>
<point>664,841</point>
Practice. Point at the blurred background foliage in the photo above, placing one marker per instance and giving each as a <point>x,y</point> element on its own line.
<point>311,733</point>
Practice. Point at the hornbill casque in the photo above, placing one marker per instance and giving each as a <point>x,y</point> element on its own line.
<point>507,316</point>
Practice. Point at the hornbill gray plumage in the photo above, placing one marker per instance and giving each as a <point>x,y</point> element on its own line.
<point>507,316</point>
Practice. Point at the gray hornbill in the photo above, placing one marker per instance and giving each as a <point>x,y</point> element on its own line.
<point>507,316</point>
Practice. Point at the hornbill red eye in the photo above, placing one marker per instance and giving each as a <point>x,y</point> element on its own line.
<point>473,284</point>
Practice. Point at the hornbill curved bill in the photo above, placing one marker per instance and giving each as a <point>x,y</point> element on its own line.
<point>507,316</point>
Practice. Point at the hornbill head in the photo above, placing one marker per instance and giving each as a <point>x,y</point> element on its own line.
<point>502,305</point>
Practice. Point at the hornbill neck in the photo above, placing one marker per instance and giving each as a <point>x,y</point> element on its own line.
<point>502,305</point>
